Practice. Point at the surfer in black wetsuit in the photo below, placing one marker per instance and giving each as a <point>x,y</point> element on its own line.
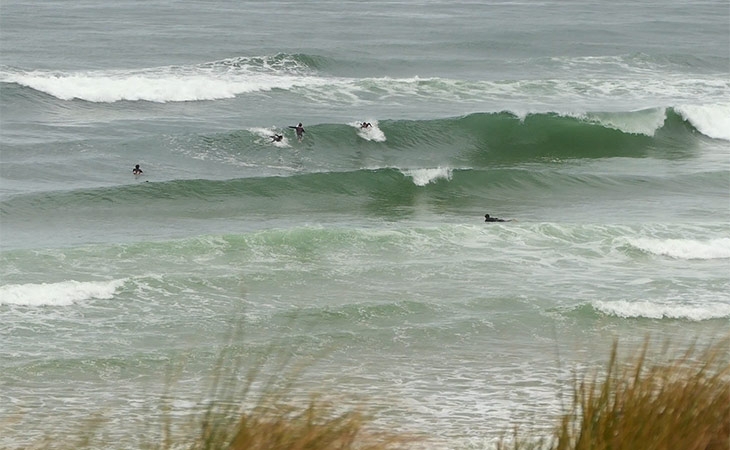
<point>277,138</point>
<point>137,170</point>
<point>366,125</point>
<point>300,130</point>
<point>492,219</point>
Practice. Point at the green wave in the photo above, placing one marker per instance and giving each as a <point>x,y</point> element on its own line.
<point>486,139</point>
<point>371,189</point>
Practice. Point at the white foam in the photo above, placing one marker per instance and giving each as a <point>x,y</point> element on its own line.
<point>422,177</point>
<point>161,84</point>
<point>650,310</point>
<point>711,120</point>
<point>63,293</point>
<point>645,122</point>
<point>684,248</point>
<point>371,133</point>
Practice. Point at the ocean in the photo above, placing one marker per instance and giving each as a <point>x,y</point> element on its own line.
<point>599,130</point>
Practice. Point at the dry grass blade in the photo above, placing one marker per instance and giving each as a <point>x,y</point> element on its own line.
<point>682,404</point>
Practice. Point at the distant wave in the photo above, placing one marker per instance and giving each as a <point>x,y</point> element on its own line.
<point>209,81</point>
<point>653,310</point>
<point>63,293</point>
<point>306,75</point>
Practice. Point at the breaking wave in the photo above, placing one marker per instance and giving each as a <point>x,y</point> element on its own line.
<point>307,76</point>
<point>63,293</point>
<point>684,248</point>
<point>652,310</point>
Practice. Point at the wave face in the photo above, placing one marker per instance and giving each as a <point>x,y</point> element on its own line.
<point>505,137</point>
<point>376,187</point>
<point>534,165</point>
<point>373,194</point>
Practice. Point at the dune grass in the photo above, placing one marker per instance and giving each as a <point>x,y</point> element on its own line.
<point>255,409</point>
<point>681,404</point>
<point>311,428</point>
<point>637,404</point>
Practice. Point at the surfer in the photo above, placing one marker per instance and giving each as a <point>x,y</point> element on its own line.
<point>299,130</point>
<point>137,170</point>
<point>277,137</point>
<point>366,125</point>
<point>492,219</point>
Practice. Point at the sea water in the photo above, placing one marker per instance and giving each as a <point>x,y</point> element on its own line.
<point>600,129</point>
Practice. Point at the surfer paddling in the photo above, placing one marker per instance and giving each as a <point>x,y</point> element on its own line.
<point>277,138</point>
<point>487,218</point>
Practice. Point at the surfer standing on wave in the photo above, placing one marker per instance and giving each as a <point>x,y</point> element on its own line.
<point>299,130</point>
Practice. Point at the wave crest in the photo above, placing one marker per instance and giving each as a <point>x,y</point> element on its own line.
<point>684,248</point>
<point>208,81</point>
<point>63,293</point>
<point>651,310</point>
<point>711,120</point>
<point>310,77</point>
<point>422,177</point>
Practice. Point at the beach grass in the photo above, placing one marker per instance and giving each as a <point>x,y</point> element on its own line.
<point>260,408</point>
<point>682,403</point>
<point>314,427</point>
